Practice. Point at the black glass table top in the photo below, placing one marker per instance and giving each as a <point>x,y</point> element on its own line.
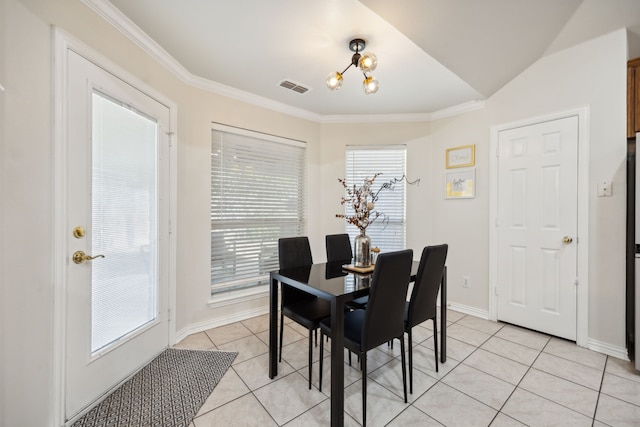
<point>332,280</point>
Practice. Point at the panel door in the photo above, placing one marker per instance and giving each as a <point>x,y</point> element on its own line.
<point>116,304</point>
<point>537,226</point>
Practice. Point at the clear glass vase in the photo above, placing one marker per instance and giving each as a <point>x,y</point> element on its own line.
<point>362,250</point>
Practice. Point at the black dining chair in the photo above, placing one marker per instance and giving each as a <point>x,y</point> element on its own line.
<point>339,251</point>
<point>381,321</point>
<point>301,307</point>
<point>422,303</point>
<point>338,248</point>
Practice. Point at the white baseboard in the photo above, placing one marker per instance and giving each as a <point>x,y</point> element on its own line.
<point>600,347</point>
<point>465,309</point>
<point>608,349</point>
<point>220,321</point>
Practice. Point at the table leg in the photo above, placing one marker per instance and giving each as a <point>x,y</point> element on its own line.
<point>337,363</point>
<point>443,317</point>
<point>273,327</point>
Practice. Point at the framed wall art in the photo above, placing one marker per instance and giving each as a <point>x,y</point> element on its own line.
<point>461,157</point>
<point>460,184</point>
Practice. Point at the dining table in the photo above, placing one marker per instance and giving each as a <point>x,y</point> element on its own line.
<point>339,285</point>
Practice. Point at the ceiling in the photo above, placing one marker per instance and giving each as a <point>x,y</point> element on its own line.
<point>433,55</point>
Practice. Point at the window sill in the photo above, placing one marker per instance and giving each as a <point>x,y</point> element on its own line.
<point>224,299</point>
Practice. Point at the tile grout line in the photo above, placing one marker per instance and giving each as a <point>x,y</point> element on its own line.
<point>556,376</point>
<point>438,380</point>
<point>499,411</point>
<point>595,410</point>
<point>517,386</point>
<point>520,382</point>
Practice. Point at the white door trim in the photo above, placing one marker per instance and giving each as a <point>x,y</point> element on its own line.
<point>62,42</point>
<point>582,304</point>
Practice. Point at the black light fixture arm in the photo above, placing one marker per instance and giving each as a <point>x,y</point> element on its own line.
<point>348,66</point>
<point>355,45</point>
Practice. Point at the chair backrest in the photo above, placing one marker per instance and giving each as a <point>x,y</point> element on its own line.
<point>384,316</point>
<point>294,252</point>
<point>422,304</point>
<point>338,248</point>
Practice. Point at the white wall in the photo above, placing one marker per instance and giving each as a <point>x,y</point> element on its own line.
<point>464,223</point>
<point>335,137</point>
<point>594,74</point>
<point>26,228</point>
<point>194,150</point>
<point>634,45</point>
<point>3,180</point>
<point>27,171</point>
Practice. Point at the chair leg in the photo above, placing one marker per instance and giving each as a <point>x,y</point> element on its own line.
<point>404,368</point>
<point>435,341</point>
<point>410,336</point>
<point>281,333</point>
<point>363,361</point>
<point>311,356</point>
<point>321,355</point>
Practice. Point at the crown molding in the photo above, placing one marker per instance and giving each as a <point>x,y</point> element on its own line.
<point>129,29</point>
<point>250,98</point>
<point>457,109</point>
<point>398,118</point>
<point>118,20</point>
<point>376,118</point>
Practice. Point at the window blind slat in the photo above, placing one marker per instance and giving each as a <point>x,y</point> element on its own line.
<point>257,196</point>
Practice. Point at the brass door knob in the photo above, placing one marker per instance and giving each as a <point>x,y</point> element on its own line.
<point>79,257</point>
<point>79,232</point>
<point>567,239</point>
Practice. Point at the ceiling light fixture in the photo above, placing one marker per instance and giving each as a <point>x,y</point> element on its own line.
<point>366,62</point>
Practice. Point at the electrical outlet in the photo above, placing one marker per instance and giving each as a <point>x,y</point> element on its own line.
<point>465,281</point>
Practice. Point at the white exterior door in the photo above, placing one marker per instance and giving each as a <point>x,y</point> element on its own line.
<point>117,211</point>
<point>537,226</point>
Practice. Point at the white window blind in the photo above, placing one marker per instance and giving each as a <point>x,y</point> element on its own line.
<point>124,221</point>
<point>388,231</point>
<point>257,196</point>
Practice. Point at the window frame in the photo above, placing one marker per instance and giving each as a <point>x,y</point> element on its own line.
<point>355,173</point>
<point>244,280</point>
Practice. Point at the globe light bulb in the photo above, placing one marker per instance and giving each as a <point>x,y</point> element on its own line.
<point>334,80</point>
<point>370,85</point>
<point>367,62</point>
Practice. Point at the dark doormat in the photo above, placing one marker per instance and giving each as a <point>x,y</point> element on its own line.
<point>169,391</point>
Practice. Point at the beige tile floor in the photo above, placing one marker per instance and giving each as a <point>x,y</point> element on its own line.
<point>496,374</point>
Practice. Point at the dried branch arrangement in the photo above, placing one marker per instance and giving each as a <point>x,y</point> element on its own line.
<point>363,199</point>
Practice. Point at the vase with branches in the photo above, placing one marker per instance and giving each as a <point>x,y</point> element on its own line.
<point>362,200</point>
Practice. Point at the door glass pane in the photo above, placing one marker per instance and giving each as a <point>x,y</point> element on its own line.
<point>124,222</point>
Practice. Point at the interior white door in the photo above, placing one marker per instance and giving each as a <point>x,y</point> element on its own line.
<point>117,213</point>
<point>537,226</point>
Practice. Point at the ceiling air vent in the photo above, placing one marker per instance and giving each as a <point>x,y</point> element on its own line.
<point>294,86</point>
